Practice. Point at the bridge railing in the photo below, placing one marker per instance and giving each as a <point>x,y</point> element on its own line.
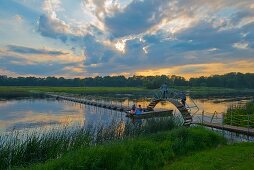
<point>176,95</point>
<point>210,117</point>
<point>240,120</point>
<point>120,101</point>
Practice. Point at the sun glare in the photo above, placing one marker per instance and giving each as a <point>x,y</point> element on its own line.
<point>120,46</point>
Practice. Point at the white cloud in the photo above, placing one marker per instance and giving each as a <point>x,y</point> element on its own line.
<point>51,6</point>
<point>212,49</point>
<point>145,49</point>
<point>120,45</point>
<point>241,45</point>
<point>153,33</point>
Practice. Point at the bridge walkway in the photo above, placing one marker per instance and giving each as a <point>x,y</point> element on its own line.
<point>93,103</point>
<point>236,129</point>
<point>174,97</point>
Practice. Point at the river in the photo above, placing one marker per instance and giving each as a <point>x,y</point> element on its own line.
<point>34,113</point>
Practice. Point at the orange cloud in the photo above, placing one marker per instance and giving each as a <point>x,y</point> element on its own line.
<point>197,70</point>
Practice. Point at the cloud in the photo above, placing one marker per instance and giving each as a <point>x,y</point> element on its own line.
<point>28,50</point>
<point>119,36</point>
<point>197,70</point>
<point>53,28</point>
<point>17,61</point>
<point>199,44</point>
<point>241,45</point>
<point>161,34</point>
<point>136,18</point>
<point>9,73</point>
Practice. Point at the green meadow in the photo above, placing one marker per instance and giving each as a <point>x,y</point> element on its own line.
<point>25,91</point>
<point>237,156</point>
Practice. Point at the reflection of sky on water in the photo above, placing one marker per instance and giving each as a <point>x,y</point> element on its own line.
<point>33,113</point>
<point>101,116</point>
<point>36,113</point>
<point>27,113</point>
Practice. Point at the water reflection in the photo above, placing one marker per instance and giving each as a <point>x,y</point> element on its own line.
<point>31,113</point>
<point>34,113</point>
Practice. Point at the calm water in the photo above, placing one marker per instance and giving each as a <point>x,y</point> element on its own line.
<point>45,113</point>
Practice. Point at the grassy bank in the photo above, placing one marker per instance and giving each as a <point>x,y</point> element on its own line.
<point>17,149</point>
<point>215,91</point>
<point>240,115</point>
<point>24,91</point>
<point>237,156</point>
<point>145,152</point>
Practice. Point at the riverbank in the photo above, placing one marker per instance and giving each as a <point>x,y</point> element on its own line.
<point>215,91</point>
<point>27,91</point>
<point>150,151</point>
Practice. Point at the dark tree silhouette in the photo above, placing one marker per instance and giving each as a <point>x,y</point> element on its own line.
<point>230,80</point>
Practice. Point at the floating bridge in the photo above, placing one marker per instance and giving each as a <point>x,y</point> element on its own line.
<point>120,108</point>
<point>184,110</point>
<point>174,98</point>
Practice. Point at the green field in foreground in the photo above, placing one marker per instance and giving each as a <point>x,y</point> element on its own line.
<point>238,156</point>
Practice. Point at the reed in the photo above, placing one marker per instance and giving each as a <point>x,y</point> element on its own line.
<point>151,151</point>
<point>238,115</point>
<point>19,149</point>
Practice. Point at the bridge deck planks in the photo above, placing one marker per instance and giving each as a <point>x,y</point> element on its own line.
<point>93,103</point>
<point>237,129</point>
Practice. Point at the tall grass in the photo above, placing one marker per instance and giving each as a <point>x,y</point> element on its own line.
<point>22,150</point>
<point>144,152</point>
<point>240,115</point>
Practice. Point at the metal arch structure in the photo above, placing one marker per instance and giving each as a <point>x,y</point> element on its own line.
<point>173,97</point>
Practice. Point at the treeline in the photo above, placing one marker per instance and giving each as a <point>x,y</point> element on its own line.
<point>230,80</point>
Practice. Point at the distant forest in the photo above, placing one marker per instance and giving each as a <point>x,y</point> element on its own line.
<point>230,80</point>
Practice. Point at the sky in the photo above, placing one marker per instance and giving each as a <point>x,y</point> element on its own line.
<point>82,38</point>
